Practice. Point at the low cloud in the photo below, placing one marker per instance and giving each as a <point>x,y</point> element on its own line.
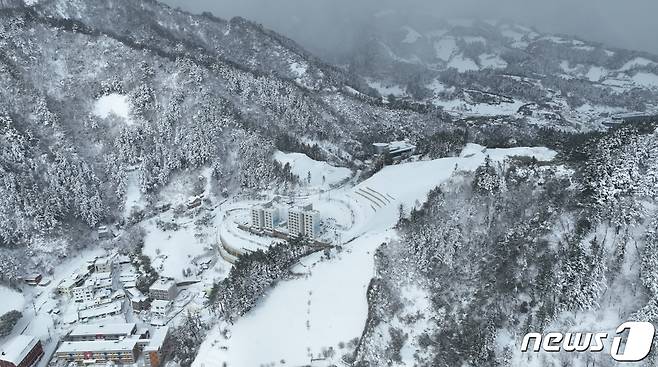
<point>329,26</point>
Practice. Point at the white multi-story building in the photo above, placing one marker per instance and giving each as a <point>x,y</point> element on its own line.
<point>160,307</point>
<point>163,289</point>
<point>84,293</point>
<point>304,221</point>
<point>295,222</point>
<point>103,265</point>
<point>311,223</point>
<point>265,216</point>
<point>257,219</point>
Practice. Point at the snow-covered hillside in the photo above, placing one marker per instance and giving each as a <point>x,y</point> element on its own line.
<point>313,173</point>
<point>513,62</point>
<point>326,307</point>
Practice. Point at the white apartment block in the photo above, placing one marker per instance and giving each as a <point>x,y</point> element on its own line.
<point>295,222</point>
<point>103,265</point>
<point>84,293</point>
<point>160,307</point>
<point>304,221</point>
<point>265,216</point>
<point>257,219</point>
<point>311,223</point>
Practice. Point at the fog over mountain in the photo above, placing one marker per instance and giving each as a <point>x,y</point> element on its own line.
<point>323,25</point>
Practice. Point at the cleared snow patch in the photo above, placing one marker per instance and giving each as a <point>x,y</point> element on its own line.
<point>11,300</point>
<point>322,173</point>
<point>116,104</point>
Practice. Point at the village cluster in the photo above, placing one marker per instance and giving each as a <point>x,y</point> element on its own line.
<point>98,301</point>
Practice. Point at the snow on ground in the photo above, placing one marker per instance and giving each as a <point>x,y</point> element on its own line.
<point>412,35</point>
<point>114,103</point>
<point>460,107</point>
<point>386,89</point>
<point>328,305</point>
<point>314,312</point>
<point>474,39</point>
<point>134,199</point>
<point>322,173</point>
<point>462,64</point>
<point>512,34</point>
<point>564,65</point>
<point>445,47</point>
<point>11,300</point>
<point>490,61</point>
<point>649,80</point>
<point>636,62</point>
<point>172,251</point>
<point>437,87</point>
<point>595,73</point>
<point>298,69</point>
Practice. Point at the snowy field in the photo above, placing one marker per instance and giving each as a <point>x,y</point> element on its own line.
<point>11,300</point>
<point>173,251</point>
<point>302,317</point>
<point>113,104</point>
<point>322,173</point>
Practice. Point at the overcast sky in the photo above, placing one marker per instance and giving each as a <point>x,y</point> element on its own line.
<point>322,25</point>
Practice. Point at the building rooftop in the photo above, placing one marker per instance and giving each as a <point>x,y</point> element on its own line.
<point>135,295</point>
<point>16,349</point>
<point>103,261</point>
<point>98,346</point>
<point>162,284</point>
<point>400,146</point>
<point>103,329</point>
<point>107,309</point>
<point>157,339</point>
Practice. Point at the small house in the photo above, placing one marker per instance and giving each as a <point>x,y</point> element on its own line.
<point>33,279</point>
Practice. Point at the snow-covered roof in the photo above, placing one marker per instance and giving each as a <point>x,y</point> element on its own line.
<point>400,146</point>
<point>98,346</point>
<point>158,338</point>
<point>103,329</point>
<point>162,285</point>
<point>396,146</point>
<point>109,308</point>
<point>135,295</point>
<point>16,349</point>
<point>103,261</point>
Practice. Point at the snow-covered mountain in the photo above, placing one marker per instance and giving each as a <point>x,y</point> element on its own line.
<point>503,204</point>
<point>489,68</point>
<point>106,86</point>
